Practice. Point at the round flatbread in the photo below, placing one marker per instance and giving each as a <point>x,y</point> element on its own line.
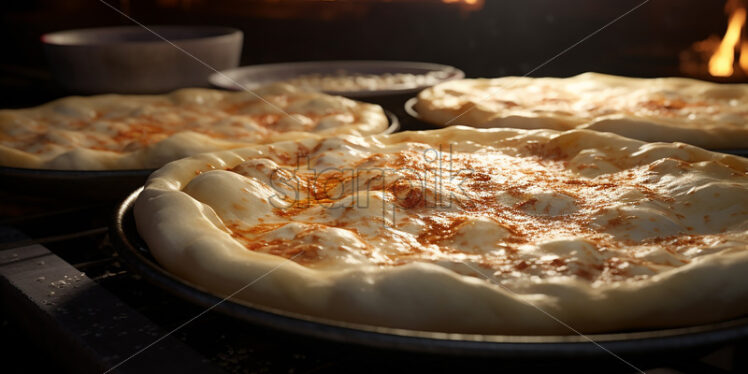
<point>143,132</point>
<point>462,230</point>
<point>708,115</point>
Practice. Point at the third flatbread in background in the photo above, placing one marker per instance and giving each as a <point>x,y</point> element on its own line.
<point>705,114</point>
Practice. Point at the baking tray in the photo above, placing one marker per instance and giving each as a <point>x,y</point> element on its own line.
<point>414,117</point>
<point>410,108</point>
<point>135,252</point>
<point>255,76</point>
<point>413,114</point>
<point>72,184</point>
<point>394,122</point>
<point>736,152</point>
<point>89,185</point>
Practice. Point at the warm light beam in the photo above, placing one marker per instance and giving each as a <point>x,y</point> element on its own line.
<point>721,62</point>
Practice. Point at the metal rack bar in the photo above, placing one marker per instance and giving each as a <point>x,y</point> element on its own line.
<point>55,303</point>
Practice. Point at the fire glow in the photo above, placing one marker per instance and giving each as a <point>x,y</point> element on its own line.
<point>724,58</point>
<point>325,10</point>
<point>722,61</point>
<point>476,3</point>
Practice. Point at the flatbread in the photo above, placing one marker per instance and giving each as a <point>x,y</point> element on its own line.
<point>704,114</point>
<point>462,230</point>
<point>146,131</point>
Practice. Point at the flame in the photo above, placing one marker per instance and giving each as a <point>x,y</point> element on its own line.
<point>467,4</point>
<point>743,62</point>
<point>721,62</point>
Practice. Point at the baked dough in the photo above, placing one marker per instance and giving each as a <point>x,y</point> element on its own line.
<point>603,232</point>
<point>145,132</point>
<point>708,115</point>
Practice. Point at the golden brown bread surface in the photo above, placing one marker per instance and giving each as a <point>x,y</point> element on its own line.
<point>704,114</point>
<point>146,131</point>
<point>462,230</point>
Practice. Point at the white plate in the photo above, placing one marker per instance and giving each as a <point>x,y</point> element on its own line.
<point>253,76</point>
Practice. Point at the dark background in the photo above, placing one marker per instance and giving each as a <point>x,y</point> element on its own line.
<point>498,38</point>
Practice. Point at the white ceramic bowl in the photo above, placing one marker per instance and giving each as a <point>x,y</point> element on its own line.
<point>131,59</point>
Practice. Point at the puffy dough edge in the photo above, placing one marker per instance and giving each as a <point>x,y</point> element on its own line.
<point>372,120</point>
<point>189,240</point>
<point>650,129</point>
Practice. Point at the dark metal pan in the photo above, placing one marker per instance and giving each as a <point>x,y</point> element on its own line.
<point>628,344</point>
<point>72,184</point>
<point>394,122</point>
<point>736,152</point>
<point>414,118</point>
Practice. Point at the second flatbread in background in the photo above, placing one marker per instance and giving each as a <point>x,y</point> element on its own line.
<point>115,132</point>
<point>705,114</point>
